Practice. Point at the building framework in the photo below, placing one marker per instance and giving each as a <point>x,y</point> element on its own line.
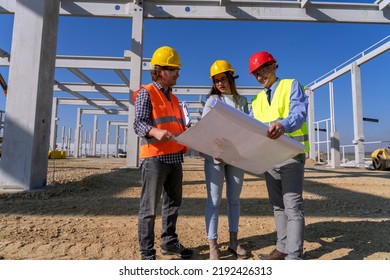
<point>31,118</point>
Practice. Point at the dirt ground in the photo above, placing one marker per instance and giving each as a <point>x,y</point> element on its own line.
<point>90,212</point>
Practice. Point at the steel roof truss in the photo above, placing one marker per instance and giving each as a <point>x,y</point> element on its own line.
<point>79,87</point>
<point>81,97</point>
<point>122,76</point>
<point>99,88</point>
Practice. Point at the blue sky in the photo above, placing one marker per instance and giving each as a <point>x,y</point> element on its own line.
<point>304,51</point>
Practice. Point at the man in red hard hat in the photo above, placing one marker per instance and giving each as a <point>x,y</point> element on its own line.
<point>283,105</point>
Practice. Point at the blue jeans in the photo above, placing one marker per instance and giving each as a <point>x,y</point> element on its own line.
<point>215,175</point>
<point>159,178</point>
<point>285,186</point>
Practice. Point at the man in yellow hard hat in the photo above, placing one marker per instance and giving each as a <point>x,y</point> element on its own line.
<point>158,119</point>
<point>283,104</point>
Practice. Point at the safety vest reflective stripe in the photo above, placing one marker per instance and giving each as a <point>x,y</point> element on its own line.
<point>300,138</point>
<point>166,120</point>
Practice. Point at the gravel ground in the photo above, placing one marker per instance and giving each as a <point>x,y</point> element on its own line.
<point>89,211</point>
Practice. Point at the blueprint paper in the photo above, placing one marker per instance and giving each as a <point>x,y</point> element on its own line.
<point>238,139</point>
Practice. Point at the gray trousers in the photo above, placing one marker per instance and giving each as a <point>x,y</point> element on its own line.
<point>285,185</point>
<point>159,179</point>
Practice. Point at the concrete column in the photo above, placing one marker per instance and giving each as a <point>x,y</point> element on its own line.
<point>69,141</point>
<point>334,135</point>
<point>310,124</point>
<point>90,140</point>
<point>335,149</point>
<point>107,137</point>
<point>30,94</point>
<point>95,131</point>
<point>132,147</point>
<point>63,138</point>
<point>85,144</point>
<point>125,138</point>
<point>116,140</point>
<point>54,126</point>
<point>358,140</point>
<point>77,136</point>
<point>331,109</point>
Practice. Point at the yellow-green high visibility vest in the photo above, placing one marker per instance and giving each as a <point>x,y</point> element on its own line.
<point>278,110</point>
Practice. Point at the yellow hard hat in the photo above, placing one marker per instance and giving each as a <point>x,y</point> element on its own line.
<point>166,56</point>
<point>220,66</point>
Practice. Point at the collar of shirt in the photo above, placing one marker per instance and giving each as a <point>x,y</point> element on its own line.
<point>273,87</point>
<point>166,93</point>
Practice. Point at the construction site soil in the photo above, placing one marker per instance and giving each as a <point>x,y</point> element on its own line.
<point>89,212</point>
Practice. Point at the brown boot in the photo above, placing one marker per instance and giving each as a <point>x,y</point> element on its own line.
<point>235,248</point>
<point>214,251</point>
<point>274,255</point>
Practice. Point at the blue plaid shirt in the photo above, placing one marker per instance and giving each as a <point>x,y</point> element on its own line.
<point>143,123</point>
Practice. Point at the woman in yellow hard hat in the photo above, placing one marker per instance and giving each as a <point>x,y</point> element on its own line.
<point>216,171</point>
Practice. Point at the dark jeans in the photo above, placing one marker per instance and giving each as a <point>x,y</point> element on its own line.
<point>159,178</point>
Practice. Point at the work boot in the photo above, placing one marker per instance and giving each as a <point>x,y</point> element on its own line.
<point>274,255</point>
<point>176,249</point>
<point>214,251</point>
<point>235,248</point>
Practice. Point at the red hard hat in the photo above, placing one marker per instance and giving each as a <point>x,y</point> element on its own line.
<point>258,59</point>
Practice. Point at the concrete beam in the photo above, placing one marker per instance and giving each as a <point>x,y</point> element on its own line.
<point>265,10</point>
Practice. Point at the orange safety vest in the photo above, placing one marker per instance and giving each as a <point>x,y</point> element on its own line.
<point>165,115</point>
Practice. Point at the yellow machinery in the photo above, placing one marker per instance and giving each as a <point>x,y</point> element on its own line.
<point>381,159</point>
<point>51,155</point>
<point>3,84</point>
<point>57,154</point>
